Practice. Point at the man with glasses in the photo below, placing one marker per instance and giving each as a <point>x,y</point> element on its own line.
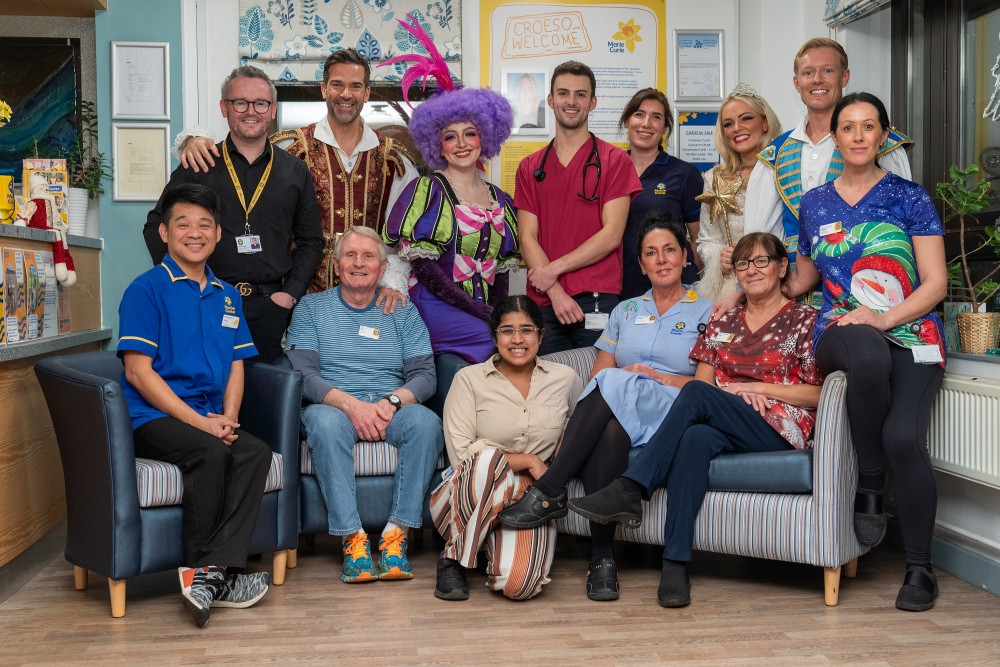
<point>572,200</point>
<point>268,203</point>
<point>358,173</point>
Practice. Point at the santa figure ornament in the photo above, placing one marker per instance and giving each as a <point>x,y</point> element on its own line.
<point>42,213</point>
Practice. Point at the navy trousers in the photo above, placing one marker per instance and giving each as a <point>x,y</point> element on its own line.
<point>703,421</point>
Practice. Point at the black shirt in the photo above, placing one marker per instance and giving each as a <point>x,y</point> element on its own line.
<point>286,211</point>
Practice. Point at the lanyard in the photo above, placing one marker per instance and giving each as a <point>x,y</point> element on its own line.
<point>236,182</point>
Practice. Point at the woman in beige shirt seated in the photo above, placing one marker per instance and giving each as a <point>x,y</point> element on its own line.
<point>502,422</point>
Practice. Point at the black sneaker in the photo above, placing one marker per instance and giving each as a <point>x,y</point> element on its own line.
<point>451,584</point>
<point>533,509</point>
<point>602,580</point>
<point>611,504</point>
<point>242,590</point>
<point>200,586</point>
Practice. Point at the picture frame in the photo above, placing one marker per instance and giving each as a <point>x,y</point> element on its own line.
<point>140,80</point>
<point>140,160</point>
<point>526,88</point>
<point>695,136</point>
<point>699,70</point>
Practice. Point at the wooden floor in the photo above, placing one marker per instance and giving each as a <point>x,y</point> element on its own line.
<point>744,611</point>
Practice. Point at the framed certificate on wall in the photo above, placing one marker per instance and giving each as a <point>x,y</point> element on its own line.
<point>140,81</point>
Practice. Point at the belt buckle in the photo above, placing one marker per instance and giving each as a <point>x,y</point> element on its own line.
<point>245,289</point>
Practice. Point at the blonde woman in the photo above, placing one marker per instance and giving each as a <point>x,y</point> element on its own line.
<point>746,125</point>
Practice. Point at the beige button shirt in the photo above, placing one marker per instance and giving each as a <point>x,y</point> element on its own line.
<point>484,409</point>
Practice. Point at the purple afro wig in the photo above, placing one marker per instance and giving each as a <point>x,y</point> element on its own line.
<point>489,111</point>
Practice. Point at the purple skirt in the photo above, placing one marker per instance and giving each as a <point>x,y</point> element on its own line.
<point>452,329</point>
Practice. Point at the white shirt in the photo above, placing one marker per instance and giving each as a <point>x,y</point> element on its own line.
<point>764,206</point>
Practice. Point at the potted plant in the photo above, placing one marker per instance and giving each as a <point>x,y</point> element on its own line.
<point>87,167</point>
<point>961,197</point>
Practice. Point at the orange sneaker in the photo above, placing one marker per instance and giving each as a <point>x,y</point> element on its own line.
<point>358,566</point>
<point>392,561</point>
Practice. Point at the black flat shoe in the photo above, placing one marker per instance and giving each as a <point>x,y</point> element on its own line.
<point>533,509</point>
<point>869,518</point>
<point>611,504</point>
<point>602,580</point>
<point>920,589</point>
<point>675,586</point>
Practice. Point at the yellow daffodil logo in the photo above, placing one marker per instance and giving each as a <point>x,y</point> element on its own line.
<point>629,33</point>
<point>5,112</point>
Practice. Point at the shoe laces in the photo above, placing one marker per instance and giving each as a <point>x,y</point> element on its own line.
<point>392,543</point>
<point>357,545</point>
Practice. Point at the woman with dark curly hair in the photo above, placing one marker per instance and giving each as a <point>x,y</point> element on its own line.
<point>458,231</point>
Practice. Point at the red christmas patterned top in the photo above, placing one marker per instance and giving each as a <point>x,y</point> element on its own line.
<point>779,352</point>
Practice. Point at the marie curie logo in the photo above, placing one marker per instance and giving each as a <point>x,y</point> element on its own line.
<point>625,38</point>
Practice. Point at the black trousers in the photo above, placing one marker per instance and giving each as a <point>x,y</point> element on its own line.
<point>267,322</point>
<point>559,337</point>
<point>889,399</point>
<point>223,486</point>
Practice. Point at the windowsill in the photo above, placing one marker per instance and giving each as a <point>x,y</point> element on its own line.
<point>976,365</point>
<point>39,346</point>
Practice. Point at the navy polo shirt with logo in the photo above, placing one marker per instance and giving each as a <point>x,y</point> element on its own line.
<point>192,335</point>
<point>669,184</point>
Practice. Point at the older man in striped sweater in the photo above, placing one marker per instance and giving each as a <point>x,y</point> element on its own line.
<point>364,374</point>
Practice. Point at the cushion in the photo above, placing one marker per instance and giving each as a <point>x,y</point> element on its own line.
<point>371,459</point>
<point>788,471</point>
<point>160,483</point>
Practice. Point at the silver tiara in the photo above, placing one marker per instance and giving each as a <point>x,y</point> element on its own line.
<point>743,90</point>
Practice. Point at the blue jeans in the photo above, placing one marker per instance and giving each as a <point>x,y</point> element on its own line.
<point>414,431</point>
<point>703,421</point>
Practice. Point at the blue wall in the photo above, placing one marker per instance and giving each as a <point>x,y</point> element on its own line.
<point>125,255</point>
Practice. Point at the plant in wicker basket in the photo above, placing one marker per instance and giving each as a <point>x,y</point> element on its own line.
<point>961,197</point>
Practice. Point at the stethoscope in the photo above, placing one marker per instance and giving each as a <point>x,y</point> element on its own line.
<point>593,160</point>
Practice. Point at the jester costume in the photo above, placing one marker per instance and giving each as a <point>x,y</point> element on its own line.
<point>359,196</point>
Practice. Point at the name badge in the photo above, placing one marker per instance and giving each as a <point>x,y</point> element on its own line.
<point>369,332</point>
<point>648,319</point>
<point>230,321</point>
<point>596,321</point>
<point>724,337</point>
<point>248,244</point>
<point>832,228</point>
<point>926,354</point>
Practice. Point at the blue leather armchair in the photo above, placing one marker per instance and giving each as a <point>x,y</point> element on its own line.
<point>122,519</point>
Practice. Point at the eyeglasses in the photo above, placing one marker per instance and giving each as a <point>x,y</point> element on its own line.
<point>241,106</point>
<point>759,261</point>
<point>526,331</point>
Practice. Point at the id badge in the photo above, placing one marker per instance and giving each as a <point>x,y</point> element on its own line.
<point>369,332</point>
<point>724,337</point>
<point>926,354</point>
<point>831,228</point>
<point>230,321</point>
<point>596,321</point>
<point>248,244</point>
<point>648,319</point>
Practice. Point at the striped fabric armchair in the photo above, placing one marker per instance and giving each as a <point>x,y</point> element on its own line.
<point>793,506</point>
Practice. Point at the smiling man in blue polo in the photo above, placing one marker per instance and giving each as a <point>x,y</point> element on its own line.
<point>183,341</point>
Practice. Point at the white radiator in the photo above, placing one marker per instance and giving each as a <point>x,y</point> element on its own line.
<point>964,436</point>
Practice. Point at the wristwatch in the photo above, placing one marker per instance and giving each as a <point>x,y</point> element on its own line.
<point>394,401</point>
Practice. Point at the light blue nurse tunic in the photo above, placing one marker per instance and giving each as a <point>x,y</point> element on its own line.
<point>636,333</point>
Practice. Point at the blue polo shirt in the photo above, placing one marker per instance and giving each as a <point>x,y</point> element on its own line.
<point>193,336</point>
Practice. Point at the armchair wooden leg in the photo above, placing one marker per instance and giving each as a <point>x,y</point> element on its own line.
<point>117,597</point>
<point>293,558</point>
<point>831,583</point>
<point>80,577</point>
<point>280,561</point>
<point>851,568</point>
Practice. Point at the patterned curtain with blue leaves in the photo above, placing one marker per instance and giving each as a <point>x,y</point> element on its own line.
<point>841,12</point>
<point>290,39</point>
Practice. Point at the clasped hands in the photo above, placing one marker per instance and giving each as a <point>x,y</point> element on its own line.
<point>370,419</point>
<point>221,426</point>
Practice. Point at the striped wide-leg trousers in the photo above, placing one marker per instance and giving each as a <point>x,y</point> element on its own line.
<point>464,510</point>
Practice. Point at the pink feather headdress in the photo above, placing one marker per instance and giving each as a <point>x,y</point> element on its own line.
<point>425,67</point>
